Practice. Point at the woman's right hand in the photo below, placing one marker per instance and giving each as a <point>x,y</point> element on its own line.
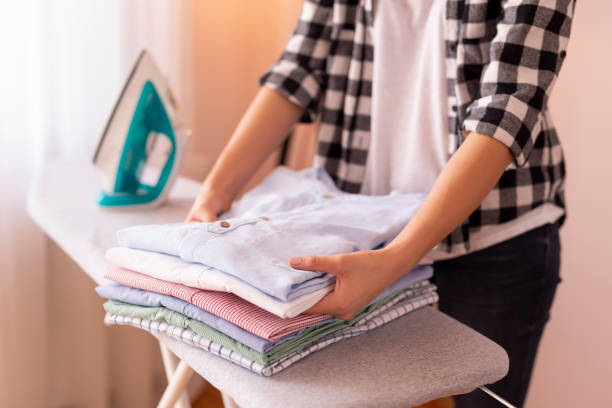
<point>209,205</point>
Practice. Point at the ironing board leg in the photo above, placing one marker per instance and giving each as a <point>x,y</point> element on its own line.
<point>497,397</point>
<point>176,385</point>
<point>176,382</point>
<point>228,402</point>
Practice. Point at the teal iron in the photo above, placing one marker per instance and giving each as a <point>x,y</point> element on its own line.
<point>143,136</point>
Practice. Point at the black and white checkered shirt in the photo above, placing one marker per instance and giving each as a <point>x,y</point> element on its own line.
<point>502,58</point>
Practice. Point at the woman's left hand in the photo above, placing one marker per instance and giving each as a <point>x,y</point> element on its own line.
<point>360,277</point>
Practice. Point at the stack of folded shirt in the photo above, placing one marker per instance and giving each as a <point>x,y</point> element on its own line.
<point>227,286</point>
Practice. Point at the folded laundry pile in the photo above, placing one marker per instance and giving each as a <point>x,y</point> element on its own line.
<point>227,286</point>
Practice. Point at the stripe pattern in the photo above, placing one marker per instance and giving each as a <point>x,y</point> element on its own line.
<point>226,305</point>
<point>502,59</point>
<point>366,324</point>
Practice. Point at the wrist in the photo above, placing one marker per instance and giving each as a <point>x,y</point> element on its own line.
<point>217,194</point>
<point>399,260</point>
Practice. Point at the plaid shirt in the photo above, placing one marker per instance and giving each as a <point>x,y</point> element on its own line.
<point>502,58</point>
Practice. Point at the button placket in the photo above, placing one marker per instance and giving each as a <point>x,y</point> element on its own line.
<point>221,227</point>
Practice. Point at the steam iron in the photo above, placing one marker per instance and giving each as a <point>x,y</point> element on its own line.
<point>143,137</point>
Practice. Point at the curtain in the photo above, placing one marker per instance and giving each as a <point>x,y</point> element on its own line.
<point>63,64</point>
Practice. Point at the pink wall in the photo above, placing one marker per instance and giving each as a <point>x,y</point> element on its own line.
<point>232,48</point>
<point>574,366</point>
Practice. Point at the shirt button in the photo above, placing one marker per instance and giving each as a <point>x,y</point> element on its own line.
<point>225,224</point>
<point>327,196</point>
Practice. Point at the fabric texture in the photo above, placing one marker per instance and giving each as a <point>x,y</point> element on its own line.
<point>190,337</point>
<point>226,305</point>
<point>332,223</point>
<point>126,294</point>
<point>281,349</point>
<point>449,357</point>
<point>139,297</point>
<point>238,311</point>
<point>509,302</point>
<point>502,59</point>
<point>174,269</point>
<point>410,142</point>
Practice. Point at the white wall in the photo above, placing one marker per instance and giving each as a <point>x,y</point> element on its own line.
<point>574,365</point>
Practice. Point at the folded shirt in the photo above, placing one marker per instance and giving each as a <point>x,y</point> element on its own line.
<point>141,297</point>
<point>190,337</point>
<point>173,269</point>
<point>126,294</point>
<point>282,190</point>
<point>281,349</point>
<point>223,304</point>
<point>238,311</point>
<point>255,246</point>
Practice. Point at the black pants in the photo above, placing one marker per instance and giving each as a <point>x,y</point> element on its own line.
<point>504,292</point>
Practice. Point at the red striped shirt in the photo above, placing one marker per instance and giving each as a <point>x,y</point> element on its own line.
<point>226,305</point>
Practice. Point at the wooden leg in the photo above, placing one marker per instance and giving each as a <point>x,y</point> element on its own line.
<point>170,361</point>
<point>176,385</point>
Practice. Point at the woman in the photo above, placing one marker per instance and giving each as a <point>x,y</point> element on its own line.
<point>446,97</point>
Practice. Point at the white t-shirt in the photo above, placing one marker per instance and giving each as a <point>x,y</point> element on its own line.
<point>410,136</point>
<point>411,142</point>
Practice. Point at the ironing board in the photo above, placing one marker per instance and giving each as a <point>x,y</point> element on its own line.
<point>422,356</point>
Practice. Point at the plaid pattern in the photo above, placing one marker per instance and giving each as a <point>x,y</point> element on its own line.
<point>226,305</point>
<point>502,58</point>
<point>372,321</point>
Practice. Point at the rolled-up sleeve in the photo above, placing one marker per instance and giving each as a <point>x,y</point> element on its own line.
<point>525,58</point>
<point>299,73</point>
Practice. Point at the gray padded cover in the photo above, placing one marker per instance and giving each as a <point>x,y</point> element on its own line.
<point>416,358</point>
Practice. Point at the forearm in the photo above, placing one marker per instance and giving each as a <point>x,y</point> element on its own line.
<point>264,126</point>
<point>466,179</point>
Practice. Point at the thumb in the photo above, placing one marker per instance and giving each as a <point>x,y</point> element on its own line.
<point>315,264</point>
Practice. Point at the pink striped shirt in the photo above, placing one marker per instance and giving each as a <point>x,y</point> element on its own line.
<point>226,305</point>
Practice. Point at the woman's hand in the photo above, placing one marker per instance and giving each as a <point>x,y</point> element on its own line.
<point>264,126</point>
<point>209,205</point>
<point>360,277</point>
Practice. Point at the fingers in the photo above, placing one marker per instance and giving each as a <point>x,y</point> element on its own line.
<point>201,215</point>
<point>315,263</point>
<point>323,306</point>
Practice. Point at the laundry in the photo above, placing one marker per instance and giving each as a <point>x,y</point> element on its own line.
<point>282,348</point>
<point>174,269</point>
<point>328,224</point>
<point>131,295</point>
<point>196,275</point>
<point>237,310</point>
<point>227,286</point>
<point>223,304</point>
<point>141,297</point>
<point>191,337</point>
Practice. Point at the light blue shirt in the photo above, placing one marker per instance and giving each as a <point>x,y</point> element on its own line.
<point>291,214</point>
